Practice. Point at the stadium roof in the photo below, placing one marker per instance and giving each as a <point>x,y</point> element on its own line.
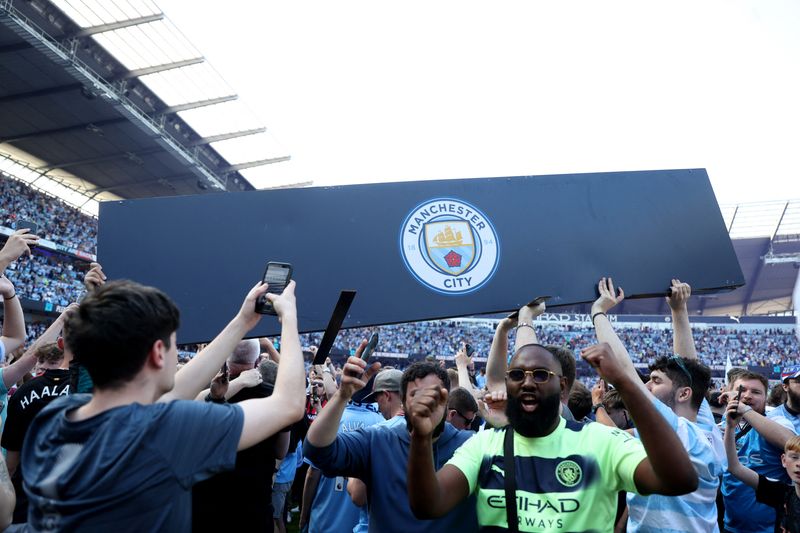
<point>109,98</point>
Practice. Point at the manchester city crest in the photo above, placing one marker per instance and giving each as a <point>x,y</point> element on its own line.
<point>449,246</point>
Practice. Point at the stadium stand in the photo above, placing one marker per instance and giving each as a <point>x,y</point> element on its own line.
<point>60,223</point>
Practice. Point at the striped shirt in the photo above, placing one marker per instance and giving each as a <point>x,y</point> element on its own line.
<point>566,481</point>
<point>692,512</point>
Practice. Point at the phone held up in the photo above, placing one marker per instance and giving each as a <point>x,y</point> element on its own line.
<point>26,224</point>
<point>371,345</point>
<point>469,349</point>
<point>277,276</point>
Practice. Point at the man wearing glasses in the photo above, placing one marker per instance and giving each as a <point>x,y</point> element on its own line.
<point>462,409</point>
<point>563,475</point>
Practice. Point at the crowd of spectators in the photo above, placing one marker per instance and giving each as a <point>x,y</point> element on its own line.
<point>47,277</point>
<point>747,347</point>
<point>58,222</point>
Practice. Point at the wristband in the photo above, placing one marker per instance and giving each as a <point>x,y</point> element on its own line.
<point>597,406</point>
<point>747,409</point>
<point>7,299</point>
<point>526,325</point>
<point>211,399</point>
<point>596,314</point>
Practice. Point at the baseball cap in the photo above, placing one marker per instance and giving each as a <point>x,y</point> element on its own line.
<point>790,372</point>
<point>386,380</point>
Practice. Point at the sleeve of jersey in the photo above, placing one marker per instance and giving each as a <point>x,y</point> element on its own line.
<point>619,453</point>
<point>3,388</point>
<point>783,421</point>
<point>772,493</point>
<point>348,455</point>
<point>469,456</point>
<point>213,431</point>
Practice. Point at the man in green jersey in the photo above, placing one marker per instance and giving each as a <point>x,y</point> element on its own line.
<point>566,474</point>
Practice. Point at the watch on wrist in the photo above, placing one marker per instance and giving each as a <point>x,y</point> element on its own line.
<point>597,406</point>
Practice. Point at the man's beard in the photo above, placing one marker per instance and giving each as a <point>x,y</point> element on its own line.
<point>436,431</point>
<point>793,398</point>
<point>539,422</point>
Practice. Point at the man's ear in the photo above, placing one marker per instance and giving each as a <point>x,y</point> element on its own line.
<point>564,387</point>
<point>451,413</point>
<point>157,355</point>
<point>684,394</point>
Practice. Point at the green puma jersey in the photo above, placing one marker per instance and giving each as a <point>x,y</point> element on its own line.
<point>566,481</point>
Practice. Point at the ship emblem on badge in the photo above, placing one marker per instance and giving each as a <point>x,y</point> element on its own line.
<point>449,246</point>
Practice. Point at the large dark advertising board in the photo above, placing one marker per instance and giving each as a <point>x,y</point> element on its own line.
<point>423,250</point>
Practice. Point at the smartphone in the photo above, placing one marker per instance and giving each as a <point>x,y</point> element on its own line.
<point>224,370</point>
<point>277,276</point>
<point>533,303</point>
<point>26,224</point>
<point>371,345</point>
<point>469,349</point>
<point>740,389</point>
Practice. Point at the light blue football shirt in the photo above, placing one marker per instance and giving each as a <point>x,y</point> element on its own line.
<point>692,512</point>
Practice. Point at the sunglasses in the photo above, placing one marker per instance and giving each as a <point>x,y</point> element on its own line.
<point>540,375</point>
<point>469,421</point>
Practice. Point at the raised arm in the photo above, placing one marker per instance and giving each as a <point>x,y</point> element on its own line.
<point>462,365</point>
<point>601,415</point>
<point>23,365</point>
<point>526,334</point>
<point>18,244</point>
<point>198,373</point>
<point>323,431</point>
<point>497,362</point>
<point>605,331</point>
<point>268,348</point>
<point>735,467</point>
<point>667,469</point>
<point>776,434</point>
<point>13,320</point>
<point>94,278</point>
<point>683,343</point>
<point>431,494</point>
<point>264,417</point>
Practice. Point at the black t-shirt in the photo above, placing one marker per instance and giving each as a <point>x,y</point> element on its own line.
<point>239,500</point>
<point>785,501</point>
<point>23,406</point>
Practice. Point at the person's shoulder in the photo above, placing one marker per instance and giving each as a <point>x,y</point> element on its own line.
<point>26,387</point>
<point>261,390</point>
<point>183,408</point>
<point>60,405</point>
<point>597,432</point>
<point>781,418</point>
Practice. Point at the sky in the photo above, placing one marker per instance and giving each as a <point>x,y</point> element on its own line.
<point>366,91</point>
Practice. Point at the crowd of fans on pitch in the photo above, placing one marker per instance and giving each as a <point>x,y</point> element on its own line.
<point>59,222</point>
<point>106,425</point>
<point>141,447</point>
